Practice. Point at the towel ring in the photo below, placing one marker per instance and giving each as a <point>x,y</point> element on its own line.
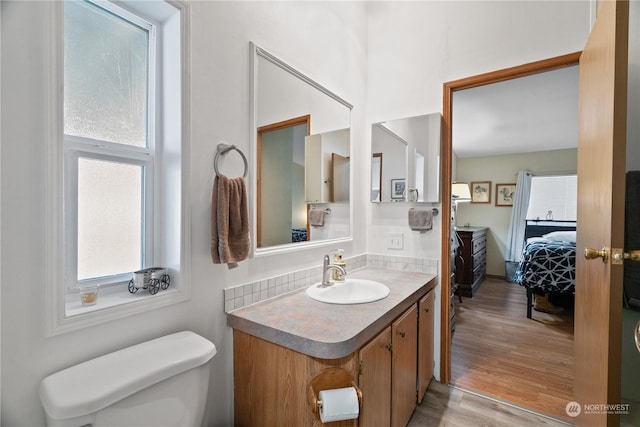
<point>224,149</point>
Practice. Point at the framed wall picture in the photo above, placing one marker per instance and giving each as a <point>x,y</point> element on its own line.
<point>398,188</point>
<point>505,193</point>
<point>481,192</point>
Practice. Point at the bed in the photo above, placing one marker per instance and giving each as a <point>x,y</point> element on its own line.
<point>548,259</point>
<point>298,235</point>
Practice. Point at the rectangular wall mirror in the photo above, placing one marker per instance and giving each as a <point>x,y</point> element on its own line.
<point>405,160</point>
<point>302,159</point>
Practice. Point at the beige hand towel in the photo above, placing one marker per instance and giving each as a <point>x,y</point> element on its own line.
<point>316,217</point>
<point>229,221</point>
<point>420,219</point>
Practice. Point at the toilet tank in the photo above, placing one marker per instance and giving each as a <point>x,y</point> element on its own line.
<point>162,382</point>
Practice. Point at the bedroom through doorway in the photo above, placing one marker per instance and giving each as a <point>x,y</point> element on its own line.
<point>500,126</point>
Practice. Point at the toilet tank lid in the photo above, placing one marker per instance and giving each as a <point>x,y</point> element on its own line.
<point>97,383</point>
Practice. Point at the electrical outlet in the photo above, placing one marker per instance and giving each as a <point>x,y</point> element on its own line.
<point>395,240</point>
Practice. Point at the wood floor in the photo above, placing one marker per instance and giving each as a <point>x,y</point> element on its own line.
<point>445,406</point>
<point>498,352</point>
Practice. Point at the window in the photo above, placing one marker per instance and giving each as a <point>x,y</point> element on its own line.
<point>109,143</point>
<point>116,171</point>
<point>556,194</point>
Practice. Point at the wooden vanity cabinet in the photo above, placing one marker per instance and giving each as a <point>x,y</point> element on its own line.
<point>425,342</point>
<point>393,370</point>
<point>271,383</point>
<point>404,366</point>
<point>388,372</point>
<point>374,362</point>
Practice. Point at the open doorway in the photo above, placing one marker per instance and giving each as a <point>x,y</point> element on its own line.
<point>503,373</point>
<point>281,162</point>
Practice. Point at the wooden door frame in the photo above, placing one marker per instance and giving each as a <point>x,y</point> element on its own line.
<point>302,120</point>
<point>449,88</point>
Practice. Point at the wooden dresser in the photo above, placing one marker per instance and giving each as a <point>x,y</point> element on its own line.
<point>471,261</point>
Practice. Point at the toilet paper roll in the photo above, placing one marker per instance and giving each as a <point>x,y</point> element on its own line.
<point>339,404</point>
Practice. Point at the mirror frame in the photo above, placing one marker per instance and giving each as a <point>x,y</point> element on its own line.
<point>256,53</point>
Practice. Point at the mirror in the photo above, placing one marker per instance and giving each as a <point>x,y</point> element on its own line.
<point>302,158</point>
<point>405,160</point>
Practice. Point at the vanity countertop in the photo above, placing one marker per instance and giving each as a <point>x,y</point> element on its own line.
<point>331,331</point>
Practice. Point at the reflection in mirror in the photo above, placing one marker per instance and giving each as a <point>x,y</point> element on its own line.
<point>327,167</point>
<point>391,147</point>
<point>281,175</point>
<point>411,151</point>
<point>376,177</point>
<point>302,158</point>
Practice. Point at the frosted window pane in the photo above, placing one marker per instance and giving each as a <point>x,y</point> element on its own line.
<point>105,76</point>
<point>109,218</point>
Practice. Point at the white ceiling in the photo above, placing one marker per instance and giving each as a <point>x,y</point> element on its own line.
<point>533,113</point>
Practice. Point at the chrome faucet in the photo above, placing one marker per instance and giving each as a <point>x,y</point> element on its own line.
<point>326,267</point>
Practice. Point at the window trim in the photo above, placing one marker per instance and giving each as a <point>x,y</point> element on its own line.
<point>56,322</point>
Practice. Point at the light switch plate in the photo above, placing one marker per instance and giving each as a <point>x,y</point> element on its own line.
<point>395,240</point>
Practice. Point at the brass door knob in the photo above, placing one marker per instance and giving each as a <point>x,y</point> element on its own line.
<point>590,253</point>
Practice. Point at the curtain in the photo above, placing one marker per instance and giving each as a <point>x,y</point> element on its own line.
<point>515,237</point>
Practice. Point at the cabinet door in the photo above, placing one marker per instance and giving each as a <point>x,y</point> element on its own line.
<point>404,333</point>
<point>425,343</point>
<point>375,381</point>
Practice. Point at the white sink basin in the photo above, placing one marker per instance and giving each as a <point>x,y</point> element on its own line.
<point>351,291</point>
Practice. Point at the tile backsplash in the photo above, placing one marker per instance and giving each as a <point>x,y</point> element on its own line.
<point>242,295</point>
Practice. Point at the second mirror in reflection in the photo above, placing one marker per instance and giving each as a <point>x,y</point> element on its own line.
<point>405,162</point>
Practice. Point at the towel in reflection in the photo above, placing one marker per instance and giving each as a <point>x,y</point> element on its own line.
<point>420,219</point>
<point>316,217</point>
<point>229,221</point>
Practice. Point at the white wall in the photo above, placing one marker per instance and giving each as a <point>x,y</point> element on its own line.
<point>503,170</point>
<point>403,51</point>
<point>414,47</point>
<point>327,41</point>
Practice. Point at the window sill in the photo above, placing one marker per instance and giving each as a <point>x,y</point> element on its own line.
<point>111,296</point>
<point>113,303</point>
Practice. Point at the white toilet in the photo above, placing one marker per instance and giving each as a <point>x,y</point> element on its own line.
<point>162,382</point>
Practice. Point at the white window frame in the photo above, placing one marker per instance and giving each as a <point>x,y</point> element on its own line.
<point>169,222</point>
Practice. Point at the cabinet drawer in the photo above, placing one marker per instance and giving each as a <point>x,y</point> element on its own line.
<point>479,244</point>
<point>479,272</point>
<point>479,259</point>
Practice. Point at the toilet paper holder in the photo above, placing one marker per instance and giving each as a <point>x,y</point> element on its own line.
<point>327,379</point>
